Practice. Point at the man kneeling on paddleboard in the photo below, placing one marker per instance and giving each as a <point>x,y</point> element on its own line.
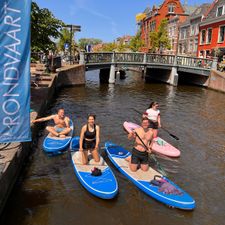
<point>62,124</point>
<point>143,143</point>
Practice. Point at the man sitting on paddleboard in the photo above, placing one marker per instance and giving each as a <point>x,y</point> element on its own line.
<point>62,124</point>
<point>143,142</point>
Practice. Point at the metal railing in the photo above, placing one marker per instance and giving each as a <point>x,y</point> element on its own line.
<point>146,59</point>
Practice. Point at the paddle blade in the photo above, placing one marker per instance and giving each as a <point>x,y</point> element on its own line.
<point>175,137</point>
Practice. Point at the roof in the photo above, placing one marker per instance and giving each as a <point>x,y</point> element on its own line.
<point>189,9</point>
<point>198,12</point>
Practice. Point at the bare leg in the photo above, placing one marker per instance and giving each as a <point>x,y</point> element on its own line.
<point>52,131</point>
<point>95,155</point>
<point>84,155</point>
<point>65,131</point>
<point>144,167</point>
<point>133,167</point>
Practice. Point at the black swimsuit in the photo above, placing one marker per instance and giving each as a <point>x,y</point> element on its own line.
<point>91,136</point>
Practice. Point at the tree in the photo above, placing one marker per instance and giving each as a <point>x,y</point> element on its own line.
<point>44,29</point>
<point>64,38</point>
<point>88,41</point>
<point>159,39</point>
<point>109,47</point>
<point>136,42</point>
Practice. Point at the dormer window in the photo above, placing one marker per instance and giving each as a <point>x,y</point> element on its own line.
<point>220,11</point>
<point>171,8</point>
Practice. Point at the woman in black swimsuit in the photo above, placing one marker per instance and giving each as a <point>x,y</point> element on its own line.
<point>89,140</point>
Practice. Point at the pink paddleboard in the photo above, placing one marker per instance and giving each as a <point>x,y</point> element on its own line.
<point>159,146</point>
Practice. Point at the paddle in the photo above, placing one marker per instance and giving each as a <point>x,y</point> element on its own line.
<point>153,157</point>
<point>172,135</point>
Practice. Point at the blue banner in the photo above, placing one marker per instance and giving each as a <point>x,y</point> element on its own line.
<point>15,70</point>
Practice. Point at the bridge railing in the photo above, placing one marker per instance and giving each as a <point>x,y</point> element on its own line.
<point>129,57</point>
<point>103,57</point>
<point>148,58</point>
<point>160,58</point>
<point>194,62</point>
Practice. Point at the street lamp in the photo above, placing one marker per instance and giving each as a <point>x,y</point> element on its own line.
<point>73,28</point>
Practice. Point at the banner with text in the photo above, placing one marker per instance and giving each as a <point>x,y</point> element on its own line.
<point>15,70</point>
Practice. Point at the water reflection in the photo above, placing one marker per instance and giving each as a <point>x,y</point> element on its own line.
<point>50,193</point>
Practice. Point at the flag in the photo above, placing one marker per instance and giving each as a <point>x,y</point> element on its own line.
<point>15,70</point>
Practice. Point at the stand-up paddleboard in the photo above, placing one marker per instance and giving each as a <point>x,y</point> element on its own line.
<point>103,186</point>
<point>164,191</point>
<point>159,145</point>
<point>57,145</point>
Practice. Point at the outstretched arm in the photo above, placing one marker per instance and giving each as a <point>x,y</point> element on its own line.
<point>43,119</point>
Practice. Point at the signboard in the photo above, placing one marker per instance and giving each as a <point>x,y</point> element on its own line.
<point>66,46</point>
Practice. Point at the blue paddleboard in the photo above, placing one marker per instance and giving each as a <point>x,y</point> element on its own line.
<point>104,186</point>
<point>177,197</point>
<point>56,145</point>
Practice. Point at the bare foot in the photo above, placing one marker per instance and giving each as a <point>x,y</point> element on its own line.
<point>62,136</point>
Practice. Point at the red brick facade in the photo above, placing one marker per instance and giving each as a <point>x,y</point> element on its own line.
<point>169,9</point>
<point>211,40</point>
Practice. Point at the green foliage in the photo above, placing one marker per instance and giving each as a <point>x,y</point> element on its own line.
<point>109,47</point>
<point>159,39</point>
<point>121,47</point>
<point>44,29</point>
<point>64,38</point>
<point>136,42</point>
<point>88,41</point>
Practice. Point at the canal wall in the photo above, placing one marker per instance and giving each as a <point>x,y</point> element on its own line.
<point>14,155</point>
<point>216,80</point>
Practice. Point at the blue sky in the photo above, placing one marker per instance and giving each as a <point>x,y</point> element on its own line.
<point>103,19</point>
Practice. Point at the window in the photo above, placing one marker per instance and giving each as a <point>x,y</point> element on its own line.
<point>220,11</point>
<point>203,36</point>
<point>192,30</point>
<point>191,46</point>
<point>196,29</point>
<point>196,45</point>
<point>208,53</point>
<point>209,35</point>
<point>171,8</point>
<point>221,34</point>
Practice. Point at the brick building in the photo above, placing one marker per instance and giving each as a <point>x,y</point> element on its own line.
<point>212,31</point>
<point>169,9</point>
<point>189,31</point>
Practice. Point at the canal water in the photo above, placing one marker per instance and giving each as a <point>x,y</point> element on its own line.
<point>48,193</point>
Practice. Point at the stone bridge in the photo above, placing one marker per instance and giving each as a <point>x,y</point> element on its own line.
<point>175,64</point>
